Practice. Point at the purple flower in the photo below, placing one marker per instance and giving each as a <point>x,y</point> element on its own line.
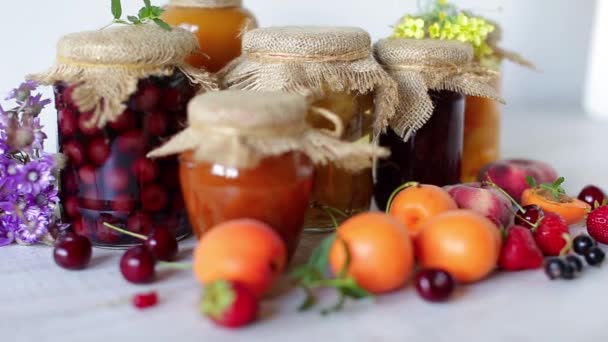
<point>35,104</point>
<point>35,176</point>
<point>34,229</point>
<point>8,225</point>
<point>46,199</point>
<point>24,91</point>
<point>11,174</point>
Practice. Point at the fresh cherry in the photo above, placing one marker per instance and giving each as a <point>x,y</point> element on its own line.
<point>124,122</point>
<point>74,151</point>
<point>145,300</point>
<point>582,244</point>
<point>162,243</point>
<point>530,216</point>
<point>592,195</point>
<point>434,285</point>
<point>137,265</point>
<point>154,198</point>
<point>145,170</point>
<point>85,125</point>
<point>73,252</point>
<point>99,151</point>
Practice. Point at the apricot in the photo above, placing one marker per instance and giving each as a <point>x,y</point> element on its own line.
<point>571,209</point>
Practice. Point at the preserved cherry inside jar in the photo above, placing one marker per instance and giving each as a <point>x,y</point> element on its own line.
<point>108,177</point>
<point>218,25</point>
<point>432,155</point>
<point>276,192</point>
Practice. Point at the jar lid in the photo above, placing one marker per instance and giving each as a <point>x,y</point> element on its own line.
<point>430,64</point>
<point>206,3</point>
<point>239,128</point>
<point>106,65</point>
<point>313,60</point>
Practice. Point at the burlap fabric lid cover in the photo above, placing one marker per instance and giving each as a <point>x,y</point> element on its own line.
<point>206,3</point>
<point>106,65</point>
<point>239,128</point>
<point>311,60</point>
<point>422,65</point>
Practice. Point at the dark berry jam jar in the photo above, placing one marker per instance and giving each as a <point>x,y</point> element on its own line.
<point>108,178</point>
<point>432,155</point>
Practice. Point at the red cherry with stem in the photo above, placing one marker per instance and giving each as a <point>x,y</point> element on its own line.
<point>117,179</point>
<point>145,300</point>
<point>74,151</point>
<point>145,170</point>
<point>73,252</point>
<point>99,151</point>
<point>137,265</point>
<point>154,198</point>
<point>230,304</point>
<point>68,124</point>
<point>160,241</point>
<point>593,196</point>
<point>156,123</point>
<point>435,285</point>
<point>147,97</point>
<point>530,216</point>
<point>125,121</point>
<point>87,175</point>
<point>86,126</point>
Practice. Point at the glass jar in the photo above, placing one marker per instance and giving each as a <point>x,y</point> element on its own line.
<point>334,187</point>
<point>432,155</point>
<point>276,192</point>
<point>218,26</point>
<point>108,177</point>
<point>481,136</point>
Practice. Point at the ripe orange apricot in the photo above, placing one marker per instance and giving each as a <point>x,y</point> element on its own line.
<point>245,251</point>
<point>571,209</point>
<point>381,252</point>
<point>461,242</point>
<point>415,205</point>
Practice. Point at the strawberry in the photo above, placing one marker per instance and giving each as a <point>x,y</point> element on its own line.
<point>230,304</point>
<point>597,224</point>
<point>553,235</point>
<point>519,251</point>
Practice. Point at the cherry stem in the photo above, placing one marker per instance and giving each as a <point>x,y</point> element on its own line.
<point>506,194</point>
<point>175,265</point>
<point>396,192</point>
<point>126,232</point>
<point>331,211</point>
<point>568,245</point>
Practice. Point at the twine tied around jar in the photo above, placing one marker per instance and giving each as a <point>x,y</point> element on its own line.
<point>422,65</point>
<point>240,128</point>
<point>206,3</point>
<point>313,61</point>
<point>105,66</point>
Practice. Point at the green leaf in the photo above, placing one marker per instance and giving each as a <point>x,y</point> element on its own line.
<point>116,9</point>
<point>147,3</point>
<point>162,24</point>
<point>134,20</point>
<point>319,259</point>
<point>144,13</point>
<point>559,182</point>
<point>351,289</point>
<point>531,181</point>
<point>156,11</point>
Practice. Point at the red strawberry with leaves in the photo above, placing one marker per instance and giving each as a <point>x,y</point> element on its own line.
<point>597,224</point>
<point>519,251</point>
<point>230,304</point>
<point>552,235</point>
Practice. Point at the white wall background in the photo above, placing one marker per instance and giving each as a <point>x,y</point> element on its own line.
<point>555,34</point>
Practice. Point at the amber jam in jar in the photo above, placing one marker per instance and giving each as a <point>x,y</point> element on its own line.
<point>275,192</point>
<point>108,177</point>
<point>218,29</point>
<point>433,155</point>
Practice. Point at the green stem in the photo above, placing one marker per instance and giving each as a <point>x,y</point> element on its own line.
<point>126,232</point>
<point>568,245</point>
<point>502,191</point>
<point>396,192</point>
<point>175,265</point>
<point>331,215</point>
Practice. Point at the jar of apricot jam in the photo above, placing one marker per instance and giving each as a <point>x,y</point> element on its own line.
<point>218,25</point>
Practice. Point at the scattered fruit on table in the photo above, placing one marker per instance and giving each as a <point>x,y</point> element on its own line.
<point>435,285</point>
<point>145,300</point>
<point>415,204</point>
<point>530,216</point>
<point>553,235</point>
<point>597,224</point>
<point>593,196</point>
<point>511,175</point>
<point>552,198</point>
<point>230,304</point>
<point>484,199</point>
<point>245,251</point>
<point>519,251</point>
<point>73,252</point>
<point>461,242</point>
<point>582,244</point>
<point>381,255</point>
<point>595,256</point>
<point>138,265</point>
<point>160,241</point>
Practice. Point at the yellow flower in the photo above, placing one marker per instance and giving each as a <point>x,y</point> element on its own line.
<point>442,16</point>
<point>435,31</point>
<point>442,2</point>
<point>410,27</point>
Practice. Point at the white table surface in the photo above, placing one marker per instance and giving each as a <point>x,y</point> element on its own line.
<point>41,302</point>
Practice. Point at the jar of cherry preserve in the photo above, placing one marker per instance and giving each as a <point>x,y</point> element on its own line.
<point>218,25</point>
<point>119,93</point>
<point>426,134</point>
<point>335,68</point>
<point>252,155</point>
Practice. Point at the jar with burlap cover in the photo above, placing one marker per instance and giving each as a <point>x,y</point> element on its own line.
<point>106,65</point>
<point>312,61</point>
<point>422,65</point>
<point>240,128</point>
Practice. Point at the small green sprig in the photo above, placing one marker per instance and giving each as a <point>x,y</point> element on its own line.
<point>146,14</point>
<point>555,188</point>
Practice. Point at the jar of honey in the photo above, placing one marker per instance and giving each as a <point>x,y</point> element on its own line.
<point>252,155</point>
<point>426,135</point>
<point>116,100</point>
<point>334,67</point>
<point>218,25</point>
